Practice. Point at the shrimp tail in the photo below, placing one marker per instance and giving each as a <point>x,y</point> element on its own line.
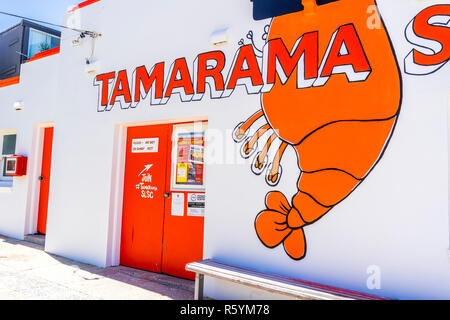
<point>281,223</point>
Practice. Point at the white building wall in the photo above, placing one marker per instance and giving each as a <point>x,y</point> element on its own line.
<point>36,90</point>
<point>397,221</point>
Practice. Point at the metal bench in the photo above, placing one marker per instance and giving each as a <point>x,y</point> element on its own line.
<point>270,282</point>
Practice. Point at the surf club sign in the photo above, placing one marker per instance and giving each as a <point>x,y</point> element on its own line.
<point>345,54</point>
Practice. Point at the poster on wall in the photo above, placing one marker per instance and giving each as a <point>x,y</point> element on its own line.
<point>190,158</point>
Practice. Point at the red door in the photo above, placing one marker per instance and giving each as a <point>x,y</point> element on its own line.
<point>144,188</point>
<point>45,180</point>
<point>183,235</point>
<point>154,239</point>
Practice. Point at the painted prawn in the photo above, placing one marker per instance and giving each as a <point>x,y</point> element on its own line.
<point>339,130</point>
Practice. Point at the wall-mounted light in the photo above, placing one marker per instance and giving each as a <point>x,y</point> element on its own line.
<point>18,105</point>
<point>92,68</point>
<point>219,38</point>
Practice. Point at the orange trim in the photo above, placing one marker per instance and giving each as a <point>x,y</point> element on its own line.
<point>82,5</point>
<point>45,54</point>
<point>9,81</point>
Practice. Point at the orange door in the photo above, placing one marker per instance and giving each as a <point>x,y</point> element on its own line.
<point>45,180</point>
<point>152,238</point>
<point>143,206</point>
<point>183,235</point>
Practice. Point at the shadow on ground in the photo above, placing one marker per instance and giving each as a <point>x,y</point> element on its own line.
<point>120,282</point>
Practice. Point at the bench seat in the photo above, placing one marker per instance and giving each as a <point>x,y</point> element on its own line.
<point>273,283</point>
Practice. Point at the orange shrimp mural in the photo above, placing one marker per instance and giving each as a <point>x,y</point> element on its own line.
<point>339,119</point>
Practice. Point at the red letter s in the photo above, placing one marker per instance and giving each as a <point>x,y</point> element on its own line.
<point>429,30</point>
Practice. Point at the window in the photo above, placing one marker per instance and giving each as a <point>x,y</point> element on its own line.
<point>9,144</point>
<point>41,41</point>
<point>8,148</point>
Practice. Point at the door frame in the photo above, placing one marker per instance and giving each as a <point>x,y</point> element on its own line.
<point>117,183</point>
<point>34,171</point>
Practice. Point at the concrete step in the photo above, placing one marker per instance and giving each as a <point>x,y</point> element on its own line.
<point>36,239</point>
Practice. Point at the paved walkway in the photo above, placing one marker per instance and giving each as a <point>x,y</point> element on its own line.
<point>27,272</point>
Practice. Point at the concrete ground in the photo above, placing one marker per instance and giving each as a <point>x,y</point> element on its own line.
<point>27,272</point>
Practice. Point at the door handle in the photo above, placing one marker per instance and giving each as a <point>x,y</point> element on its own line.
<point>41,178</point>
<point>167,195</point>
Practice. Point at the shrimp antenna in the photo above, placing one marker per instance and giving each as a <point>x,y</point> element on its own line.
<point>259,53</point>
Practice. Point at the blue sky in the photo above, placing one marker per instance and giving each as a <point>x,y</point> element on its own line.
<point>46,10</point>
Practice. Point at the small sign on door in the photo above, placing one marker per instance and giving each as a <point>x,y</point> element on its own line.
<point>196,204</point>
<point>145,145</point>
<point>178,204</point>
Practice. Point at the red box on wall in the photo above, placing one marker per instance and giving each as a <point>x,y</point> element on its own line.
<point>15,166</point>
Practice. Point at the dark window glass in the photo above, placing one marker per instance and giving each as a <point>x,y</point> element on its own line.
<point>11,166</point>
<point>9,144</point>
<point>55,42</point>
<point>320,2</point>
<point>263,9</point>
<point>41,41</point>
